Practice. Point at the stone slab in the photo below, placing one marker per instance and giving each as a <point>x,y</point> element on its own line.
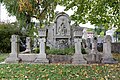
<point>27,57</point>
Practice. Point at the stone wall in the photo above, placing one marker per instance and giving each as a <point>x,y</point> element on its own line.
<point>25,58</point>
<point>115,47</point>
<point>59,58</point>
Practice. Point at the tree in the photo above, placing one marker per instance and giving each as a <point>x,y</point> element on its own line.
<point>24,10</point>
<point>98,12</point>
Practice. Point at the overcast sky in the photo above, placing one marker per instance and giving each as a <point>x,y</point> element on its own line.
<point>5,18</point>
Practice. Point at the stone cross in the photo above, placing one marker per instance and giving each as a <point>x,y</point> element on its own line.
<point>107,55</point>
<point>41,58</point>
<point>28,45</point>
<point>13,57</point>
<point>78,57</point>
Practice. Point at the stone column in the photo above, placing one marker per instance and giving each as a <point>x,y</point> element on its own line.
<point>13,57</point>
<point>78,56</point>
<point>94,52</point>
<point>107,55</point>
<point>41,58</point>
<point>28,45</point>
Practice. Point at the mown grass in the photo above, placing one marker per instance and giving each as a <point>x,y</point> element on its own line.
<point>59,72</point>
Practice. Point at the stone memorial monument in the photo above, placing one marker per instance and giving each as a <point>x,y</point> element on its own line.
<point>59,34</point>
<point>78,57</point>
<point>41,57</point>
<point>107,55</point>
<point>13,57</point>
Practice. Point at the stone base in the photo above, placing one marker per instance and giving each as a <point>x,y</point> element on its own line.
<point>96,58</point>
<point>78,59</point>
<point>79,62</point>
<point>28,57</point>
<point>41,60</point>
<point>109,61</point>
<point>12,60</point>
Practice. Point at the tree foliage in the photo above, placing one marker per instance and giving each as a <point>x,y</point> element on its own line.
<point>98,12</point>
<point>24,10</point>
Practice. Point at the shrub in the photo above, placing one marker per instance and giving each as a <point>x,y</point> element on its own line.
<point>66,51</point>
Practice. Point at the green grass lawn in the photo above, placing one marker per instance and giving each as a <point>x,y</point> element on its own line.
<point>59,72</point>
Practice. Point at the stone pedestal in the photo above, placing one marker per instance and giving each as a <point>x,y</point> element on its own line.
<point>13,57</point>
<point>41,58</point>
<point>78,57</point>
<point>107,56</point>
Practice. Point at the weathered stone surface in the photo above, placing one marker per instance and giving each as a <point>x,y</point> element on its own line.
<point>94,55</point>
<point>59,33</point>
<point>107,56</point>
<point>28,57</point>
<point>97,58</point>
<point>13,57</point>
<point>60,58</point>
<point>41,57</point>
<point>78,57</point>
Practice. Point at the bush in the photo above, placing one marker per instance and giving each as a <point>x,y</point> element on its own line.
<point>66,51</point>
